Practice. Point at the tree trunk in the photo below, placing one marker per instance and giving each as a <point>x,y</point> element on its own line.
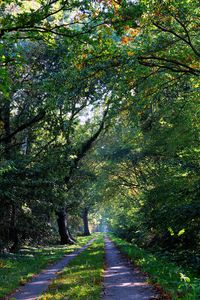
<point>6,119</point>
<point>65,236</point>
<point>13,232</point>
<point>16,244</point>
<point>85,222</point>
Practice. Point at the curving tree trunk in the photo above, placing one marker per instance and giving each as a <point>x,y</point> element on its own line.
<point>65,236</point>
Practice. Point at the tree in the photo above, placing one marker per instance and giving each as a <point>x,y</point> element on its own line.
<point>98,108</point>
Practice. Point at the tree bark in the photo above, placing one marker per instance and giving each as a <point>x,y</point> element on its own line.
<point>13,232</point>
<point>16,243</point>
<point>6,119</point>
<point>85,222</point>
<point>65,236</point>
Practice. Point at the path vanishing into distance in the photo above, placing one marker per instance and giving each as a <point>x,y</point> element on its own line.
<point>121,280</point>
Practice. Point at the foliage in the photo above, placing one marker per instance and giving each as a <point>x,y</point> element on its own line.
<point>163,273</point>
<point>99,110</point>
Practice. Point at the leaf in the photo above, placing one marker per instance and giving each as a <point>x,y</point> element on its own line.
<point>182,231</point>
<point>171,231</point>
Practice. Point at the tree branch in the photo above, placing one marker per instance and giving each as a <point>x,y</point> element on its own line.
<point>188,42</point>
<point>86,146</point>
<point>29,123</point>
<point>182,67</point>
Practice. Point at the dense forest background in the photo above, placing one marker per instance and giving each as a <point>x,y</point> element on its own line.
<point>99,116</point>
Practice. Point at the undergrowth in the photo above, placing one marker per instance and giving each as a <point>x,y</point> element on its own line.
<point>17,269</point>
<point>175,281</point>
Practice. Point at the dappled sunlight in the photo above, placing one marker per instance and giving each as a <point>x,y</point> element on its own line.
<point>121,281</point>
<point>99,140</point>
<point>116,274</point>
<point>116,267</point>
<point>20,268</point>
<point>133,284</point>
<point>81,279</point>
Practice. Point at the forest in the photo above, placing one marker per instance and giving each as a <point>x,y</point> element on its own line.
<point>99,126</point>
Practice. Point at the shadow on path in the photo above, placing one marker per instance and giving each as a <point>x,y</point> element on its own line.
<point>33,289</point>
<point>121,281</point>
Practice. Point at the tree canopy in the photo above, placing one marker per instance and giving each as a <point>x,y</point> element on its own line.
<point>99,115</point>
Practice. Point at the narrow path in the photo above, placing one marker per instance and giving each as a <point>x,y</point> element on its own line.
<point>33,289</point>
<point>121,281</point>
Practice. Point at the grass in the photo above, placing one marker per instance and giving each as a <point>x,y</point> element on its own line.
<point>174,280</point>
<point>17,269</point>
<point>82,278</point>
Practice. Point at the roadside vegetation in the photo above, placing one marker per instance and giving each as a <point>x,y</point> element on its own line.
<point>100,129</point>
<point>17,269</point>
<point>174,281</point>
<point>82,278</point>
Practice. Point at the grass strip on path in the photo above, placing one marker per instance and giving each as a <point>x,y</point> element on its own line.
<point>175,282</point>
<point>82,278</point>
<point>17,269</point>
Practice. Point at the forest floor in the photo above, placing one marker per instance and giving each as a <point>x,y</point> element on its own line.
<point>122,281</point>
<point>171,280</point>
<point>109,269</point>
<point>82,278</point>
<point>79,275</point>
<point>18,268</point>
<point>39,284</point>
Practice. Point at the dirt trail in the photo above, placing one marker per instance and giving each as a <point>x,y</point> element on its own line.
<point>121,281</point>
<point>33,289</point>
